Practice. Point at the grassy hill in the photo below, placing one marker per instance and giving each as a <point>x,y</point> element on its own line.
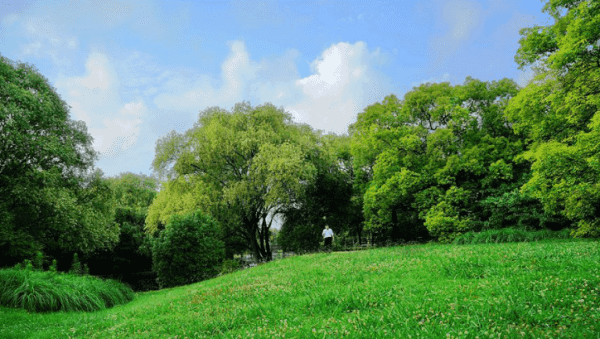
<point>531,290</point>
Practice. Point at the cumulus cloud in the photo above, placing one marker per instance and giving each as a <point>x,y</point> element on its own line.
<point>344,80</point>
<point>94,98</point>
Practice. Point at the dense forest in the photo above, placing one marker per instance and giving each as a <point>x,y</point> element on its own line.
<point>438,162</point>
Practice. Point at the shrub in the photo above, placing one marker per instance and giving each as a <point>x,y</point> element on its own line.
<point>39,291</point>
<point>230,266</point>
<point>188,250</point>
<point>76,265</point>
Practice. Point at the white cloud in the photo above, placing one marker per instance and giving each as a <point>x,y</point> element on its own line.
<point>344,80</point>
<point>94,98</point>
<point>180,92</point>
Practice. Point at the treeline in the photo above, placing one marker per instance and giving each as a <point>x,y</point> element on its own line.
<point>439,162</point>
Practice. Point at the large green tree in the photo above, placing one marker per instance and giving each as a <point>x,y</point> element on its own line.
<point>50,197</point>
<point>250,161</point>
<point>435,161</point>
<point>133,194</point>
<point>559,112</point>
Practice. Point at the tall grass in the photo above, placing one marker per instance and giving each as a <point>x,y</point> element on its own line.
<point>38,291</point>
<point>505,235</point>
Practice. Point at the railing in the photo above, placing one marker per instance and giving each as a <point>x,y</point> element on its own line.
<point>248,260</point>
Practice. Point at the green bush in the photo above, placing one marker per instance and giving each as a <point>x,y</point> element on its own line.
<point>230,266</point>
<point>188,250</point>
<point>39,291</point>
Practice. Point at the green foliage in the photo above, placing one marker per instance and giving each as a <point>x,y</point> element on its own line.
<point>329,196</point>
<point>242,167</point>
<point>298,238</point>
<point>38,261</point>
<point>38,291</point>
<point>47,180</point>
<point>229,266</point>
<point>53,266</point>
<point>133,194</point>
<point>430,161</point>
<point>445,220</point>
<point>558,112</point>
<point>188,250</point>
<point>76,267</point>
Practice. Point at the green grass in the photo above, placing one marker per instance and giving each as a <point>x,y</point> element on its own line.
<point>39,291</point>
<point>509,235</point>
<point>513,290</point>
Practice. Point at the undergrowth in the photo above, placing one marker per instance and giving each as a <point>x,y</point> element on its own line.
<point>39,291</point>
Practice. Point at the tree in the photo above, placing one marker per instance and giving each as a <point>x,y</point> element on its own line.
<point>558,112</point>
<point>133,194</point>
<point>328,196</point>
<point>430,161</point>
<point>188,250</point>
<point>50,197</point>
<point>251,161</point>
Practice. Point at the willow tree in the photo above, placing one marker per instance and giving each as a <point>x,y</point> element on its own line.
<point>250,162</point>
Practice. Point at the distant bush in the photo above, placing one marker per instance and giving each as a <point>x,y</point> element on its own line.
<point>230,266</point>
<point>188,250</point>
<point>39,291</point>
<point>509,235</point>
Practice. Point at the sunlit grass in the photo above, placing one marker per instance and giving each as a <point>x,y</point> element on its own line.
<point>514,290</point>
<point>510,235</point>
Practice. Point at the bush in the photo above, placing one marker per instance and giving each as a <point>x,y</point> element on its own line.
<point>188,250</point>
<point>230,266</point>
<point>39,291</point>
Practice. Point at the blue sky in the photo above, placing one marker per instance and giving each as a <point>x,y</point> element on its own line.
<point>135,70</point>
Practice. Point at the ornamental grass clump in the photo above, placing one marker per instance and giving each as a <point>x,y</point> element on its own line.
<point>39,291</point>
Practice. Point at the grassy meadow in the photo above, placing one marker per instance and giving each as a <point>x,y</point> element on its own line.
<point>547,289</point>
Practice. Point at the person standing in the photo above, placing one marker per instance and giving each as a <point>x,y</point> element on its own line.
<point>328,236</point>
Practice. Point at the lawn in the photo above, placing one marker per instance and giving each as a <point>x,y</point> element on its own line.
<point>534,290</point>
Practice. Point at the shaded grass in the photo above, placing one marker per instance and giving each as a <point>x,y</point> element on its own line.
<point>38,291</point>
<point>531,290</point>
<point>505,235</point>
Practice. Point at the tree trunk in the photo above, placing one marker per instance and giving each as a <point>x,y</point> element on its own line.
<point>265,228</point>
<point>395,227</point>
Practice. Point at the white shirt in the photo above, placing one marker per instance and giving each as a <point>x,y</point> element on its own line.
<point>327,233</point>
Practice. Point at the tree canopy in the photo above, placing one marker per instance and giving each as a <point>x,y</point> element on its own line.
<point>559,112</point>
<point>50,196</point>
<point>245,166</point>
<point>434,161</point>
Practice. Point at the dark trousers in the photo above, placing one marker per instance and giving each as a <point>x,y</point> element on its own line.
<point>328,241</point>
